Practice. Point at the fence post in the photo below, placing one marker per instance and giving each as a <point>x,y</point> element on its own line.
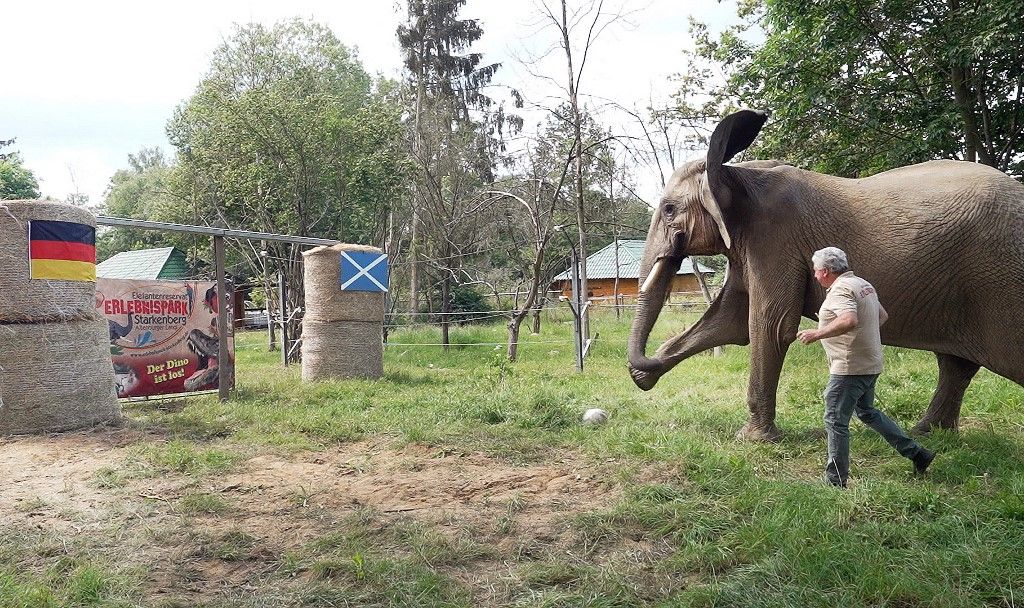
<point>574,304</point>
<point>704,291</point>
<point>282,310</point>
<point>225,366</point>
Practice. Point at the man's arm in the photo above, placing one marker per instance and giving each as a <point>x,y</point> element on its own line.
<point>882,315</point>
<point>839,326</point>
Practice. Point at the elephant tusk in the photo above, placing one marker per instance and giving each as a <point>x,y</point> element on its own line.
<point>651,277</point>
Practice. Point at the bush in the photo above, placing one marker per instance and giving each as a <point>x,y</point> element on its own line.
<point>467,306</point>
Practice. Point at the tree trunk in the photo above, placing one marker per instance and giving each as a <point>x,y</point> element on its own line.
<point>965,103</point>
<point>513,334</point>
<point>531,297</point>
<point>271,327</point>
<point>615,287</point>
<point>446,309</point>
<point>414,291</point>
<point>578,167</point>
<point>615,236</point>
<point>417,145</point>
<point>538,309</point>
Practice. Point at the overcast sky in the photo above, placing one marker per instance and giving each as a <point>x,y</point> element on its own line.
<point>87,83</point>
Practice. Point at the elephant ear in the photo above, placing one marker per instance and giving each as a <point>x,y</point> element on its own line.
<point>733,135</point>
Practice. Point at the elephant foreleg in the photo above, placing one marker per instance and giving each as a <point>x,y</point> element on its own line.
<point>725,322</point>
<point>771,332</point>
<point>955,376</point>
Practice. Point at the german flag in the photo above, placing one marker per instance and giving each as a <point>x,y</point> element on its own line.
<point>64,251</point>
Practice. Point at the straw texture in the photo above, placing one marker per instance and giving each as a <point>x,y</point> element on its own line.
<point>26,301</point>
<point>55,377</point>
<point>325,300</point>
<point>338,350</point>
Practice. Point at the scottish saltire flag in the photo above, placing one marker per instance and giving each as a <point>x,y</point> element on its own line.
<point>364,271</point>
<point>63,251</point>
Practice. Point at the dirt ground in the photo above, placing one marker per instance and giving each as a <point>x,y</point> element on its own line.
<point>280,503</point>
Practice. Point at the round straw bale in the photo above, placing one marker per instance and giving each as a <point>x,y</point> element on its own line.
<point>325,300</point>
<point>55,377</point>
<point>38,300</point>
<point>342,349</point>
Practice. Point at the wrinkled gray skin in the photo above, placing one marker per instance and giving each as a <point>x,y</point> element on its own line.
<point>942,242</point>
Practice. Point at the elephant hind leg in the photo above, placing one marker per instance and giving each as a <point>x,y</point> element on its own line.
<point>955,376</point>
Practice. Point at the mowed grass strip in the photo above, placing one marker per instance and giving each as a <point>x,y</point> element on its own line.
<point>704,520</point>
<point>40,569</point>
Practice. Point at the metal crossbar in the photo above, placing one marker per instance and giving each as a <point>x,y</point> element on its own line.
<point>106,220</point>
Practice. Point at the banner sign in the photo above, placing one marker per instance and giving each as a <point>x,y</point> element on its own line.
<point>364,271</point>
<point>163,335</point>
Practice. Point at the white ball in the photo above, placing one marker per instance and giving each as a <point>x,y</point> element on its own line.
<point>595,416</point>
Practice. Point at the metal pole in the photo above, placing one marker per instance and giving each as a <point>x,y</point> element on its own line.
<point>225,366</point>
<point>106,220</point>
<point>577,325</point>
<point>282,310</point>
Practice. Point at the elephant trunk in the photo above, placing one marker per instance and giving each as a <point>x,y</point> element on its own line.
<point>645,370</point>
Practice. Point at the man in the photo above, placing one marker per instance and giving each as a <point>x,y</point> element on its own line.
<point>848,327</point>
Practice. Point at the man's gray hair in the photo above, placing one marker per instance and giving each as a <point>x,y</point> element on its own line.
<point>832,259</point>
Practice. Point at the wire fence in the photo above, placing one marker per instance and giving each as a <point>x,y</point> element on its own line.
<point>397,323</point>
<point>400,327</point>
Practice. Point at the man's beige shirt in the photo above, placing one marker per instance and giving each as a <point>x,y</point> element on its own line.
<point>858,351</point>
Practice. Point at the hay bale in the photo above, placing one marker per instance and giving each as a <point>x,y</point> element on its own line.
<point>55,377</point>
<point>38,301</point>
<point>342,349</point>
<point>325,300</point>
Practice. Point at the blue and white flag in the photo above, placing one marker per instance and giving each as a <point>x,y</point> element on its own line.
<point>364,271</point>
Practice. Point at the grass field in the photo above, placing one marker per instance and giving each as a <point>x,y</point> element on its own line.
<point>461,480</point>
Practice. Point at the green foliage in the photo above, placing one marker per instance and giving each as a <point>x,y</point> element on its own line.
<point>860,87</point>
<point>288,133</point>
<point>466,306</point>
<point>455,139</point>
<point>542,181</point>
<point>142,191</point>
<point>16,180</point>
<point>435,45</point>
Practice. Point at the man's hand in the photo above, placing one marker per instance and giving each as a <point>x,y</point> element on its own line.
<point>840,325</point>
<point>808,336</point>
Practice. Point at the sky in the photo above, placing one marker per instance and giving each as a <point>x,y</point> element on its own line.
<point>88,83</point>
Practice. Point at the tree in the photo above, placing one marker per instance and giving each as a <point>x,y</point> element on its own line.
<point>524,223</point>
<point>142,191</point>
<point>578,28</point>
<point>16,180</point>
<point>537,197</point>
<point>453,141</point>
<point>287,133</point>
<point>860,87</point>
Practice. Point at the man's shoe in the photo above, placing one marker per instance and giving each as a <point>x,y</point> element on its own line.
<point>922,460</point>
<point>835,481</point>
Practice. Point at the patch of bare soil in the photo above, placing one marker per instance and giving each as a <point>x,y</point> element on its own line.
<point>46,481</point>
<point>281,503</point>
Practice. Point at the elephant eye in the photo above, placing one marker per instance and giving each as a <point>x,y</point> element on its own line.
<point>669,210</point>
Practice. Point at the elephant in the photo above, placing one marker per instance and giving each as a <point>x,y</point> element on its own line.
<point>941,241</point>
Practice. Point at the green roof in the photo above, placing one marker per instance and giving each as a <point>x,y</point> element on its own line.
<point>162,263</point>
<point>601,265</point>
